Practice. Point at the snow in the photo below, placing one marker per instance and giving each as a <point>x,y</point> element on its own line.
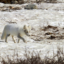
<point>36,18</point>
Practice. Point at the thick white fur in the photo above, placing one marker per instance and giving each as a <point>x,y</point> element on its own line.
<point>14,30</point>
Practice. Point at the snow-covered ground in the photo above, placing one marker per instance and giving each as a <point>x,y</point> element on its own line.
<point>37,18</point>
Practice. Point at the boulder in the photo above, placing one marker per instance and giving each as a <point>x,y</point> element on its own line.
<point>30,6</point>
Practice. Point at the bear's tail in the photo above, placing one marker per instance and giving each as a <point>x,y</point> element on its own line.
<point>3,34</point>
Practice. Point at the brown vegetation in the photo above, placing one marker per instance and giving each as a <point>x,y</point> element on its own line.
<point>22,1</point>
<point>12,1</point>
<point>37,59</point>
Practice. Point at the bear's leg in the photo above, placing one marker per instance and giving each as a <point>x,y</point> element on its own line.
<point>21,38</point>
<point>6,37</point>
<point>13,39</point>
<point>18,40</point>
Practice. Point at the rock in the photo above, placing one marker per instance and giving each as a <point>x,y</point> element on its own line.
<point>14,2</point>
<point>30,6</point>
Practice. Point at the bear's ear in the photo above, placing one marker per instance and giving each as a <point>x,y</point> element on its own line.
<point>24,27</point>
<point>29,27</point>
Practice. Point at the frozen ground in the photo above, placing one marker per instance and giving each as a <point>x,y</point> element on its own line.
<point>43,40</point>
